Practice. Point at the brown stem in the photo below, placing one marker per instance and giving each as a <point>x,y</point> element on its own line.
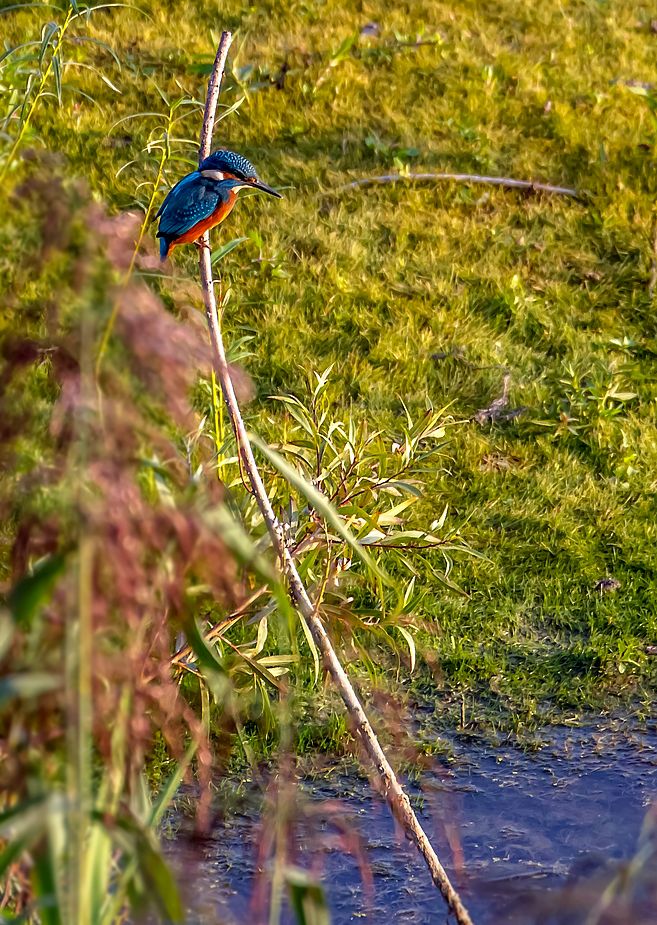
<point>653,266</point>
<point>211,100</point>
<point>392,789</point>
<point>507,182</point>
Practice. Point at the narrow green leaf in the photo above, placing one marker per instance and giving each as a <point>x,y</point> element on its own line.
<point>205,706</point>
<point>410,642</point>
<point>34,589</point>
<point>170,789</point>
<point>307,898</point>
<point>391,515</point>
<point>225,249</point>
<point>311,646</point>
<point>109,83</point>
<point>97,867</point>
<point>18,812</point>
<point>105,6</point>
<point>57,74</point>
<point>49,29</point>
<point>147,878</point>
<point>239,542</point>
<point>275,661</point>
<point>208,661</point>
<point>15,48</point>
<point>408,538</point>
<point>44,877</point>
<point>344,50</point>
<point>21,826</point>
<point>256,667</point>
<point>263,630</point>
<point>322,380</point>
<point>163,889</point>
<point>225,111</point>
<point>322,505</point>
<point>15,848</point>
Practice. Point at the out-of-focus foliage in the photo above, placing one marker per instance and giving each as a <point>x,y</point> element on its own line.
<point>105,531</point>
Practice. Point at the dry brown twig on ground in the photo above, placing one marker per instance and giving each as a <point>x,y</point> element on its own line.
<point>394,793</point>
<point>507,182</point>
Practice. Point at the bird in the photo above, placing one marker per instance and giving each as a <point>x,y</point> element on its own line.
<point>205,197</point>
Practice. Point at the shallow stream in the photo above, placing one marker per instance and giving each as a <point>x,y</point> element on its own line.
<point>543,836</point>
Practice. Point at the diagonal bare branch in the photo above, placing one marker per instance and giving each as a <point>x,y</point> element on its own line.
<point>394,793</point>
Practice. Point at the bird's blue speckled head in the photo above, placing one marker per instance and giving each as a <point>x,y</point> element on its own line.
<point>229,162</point>
<point>229,167</point>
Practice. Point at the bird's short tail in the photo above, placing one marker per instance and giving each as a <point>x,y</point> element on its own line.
<point>164,249</point>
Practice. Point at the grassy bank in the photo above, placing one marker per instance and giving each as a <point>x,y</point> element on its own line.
<point>430,292</point>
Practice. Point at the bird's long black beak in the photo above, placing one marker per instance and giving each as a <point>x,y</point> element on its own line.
<point>258,184</point>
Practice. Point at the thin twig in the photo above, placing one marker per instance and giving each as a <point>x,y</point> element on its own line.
<point>653,265</point>
<point>211,100</point>
<point>508,182</point>
<point>394,793</point>
<point>217,629</point>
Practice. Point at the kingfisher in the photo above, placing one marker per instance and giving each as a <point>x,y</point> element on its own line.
<point>205,197</point>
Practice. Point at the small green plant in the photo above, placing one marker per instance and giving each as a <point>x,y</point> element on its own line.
<point>346,493</point>
<point>34,71</point>
<point>162,145</point>
<point>591,398</point>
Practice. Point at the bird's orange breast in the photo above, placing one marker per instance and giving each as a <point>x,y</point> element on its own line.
<point>211,221</point>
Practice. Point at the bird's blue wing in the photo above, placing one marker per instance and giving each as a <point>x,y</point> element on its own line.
<point>174,189</point>
<point>189,202</point>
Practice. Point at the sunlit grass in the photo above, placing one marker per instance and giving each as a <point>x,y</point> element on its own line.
<point>433,293</point>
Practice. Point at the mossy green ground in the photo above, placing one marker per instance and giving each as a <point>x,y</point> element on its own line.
<point>434,292</point>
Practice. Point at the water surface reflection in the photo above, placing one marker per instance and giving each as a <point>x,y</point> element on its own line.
<point>543,837</point>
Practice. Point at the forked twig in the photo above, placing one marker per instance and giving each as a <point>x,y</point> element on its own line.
<point>507,182</point>
<point>394,793</point>
<point>218,629</point>
<point>499,410</point>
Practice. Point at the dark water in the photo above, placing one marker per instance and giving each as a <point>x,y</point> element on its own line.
<point>528,837</point>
